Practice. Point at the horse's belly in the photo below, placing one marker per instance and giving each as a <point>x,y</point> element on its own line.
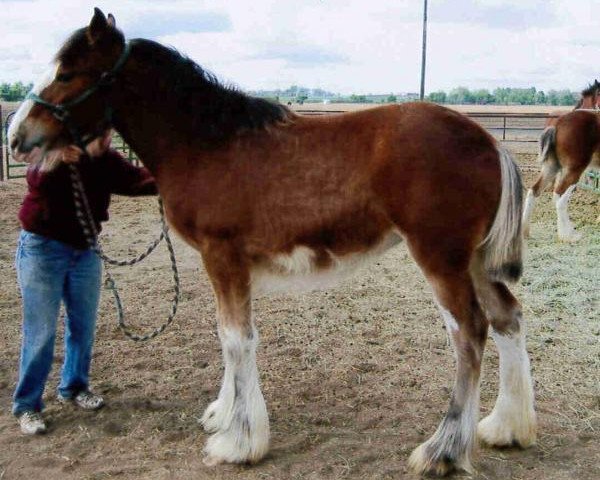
<point>300,271</point>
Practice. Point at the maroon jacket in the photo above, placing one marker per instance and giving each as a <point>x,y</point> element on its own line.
<point>48,208</point>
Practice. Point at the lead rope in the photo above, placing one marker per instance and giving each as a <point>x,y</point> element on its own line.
<point>86,220</point>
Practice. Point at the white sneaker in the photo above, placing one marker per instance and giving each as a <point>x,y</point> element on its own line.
<point>32,423</point>
<point>86,400</point>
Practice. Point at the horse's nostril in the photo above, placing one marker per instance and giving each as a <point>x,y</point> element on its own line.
<point>14,143</point>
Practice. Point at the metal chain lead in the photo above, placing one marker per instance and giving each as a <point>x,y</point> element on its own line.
<point>86,220</point>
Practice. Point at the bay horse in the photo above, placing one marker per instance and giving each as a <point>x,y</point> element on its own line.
<point>567,149</point>
<point>273,200</point>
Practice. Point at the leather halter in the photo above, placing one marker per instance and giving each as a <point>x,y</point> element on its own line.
<point>62,111</point>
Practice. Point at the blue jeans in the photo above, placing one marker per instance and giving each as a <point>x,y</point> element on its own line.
<point>49,271</point>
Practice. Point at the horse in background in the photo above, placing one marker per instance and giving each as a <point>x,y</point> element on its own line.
<point>275,200</point>
<point>567,148</point>
<point>589,99</point>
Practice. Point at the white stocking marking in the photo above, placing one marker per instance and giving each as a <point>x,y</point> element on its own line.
<point>238,418</point>
<point>566,230</point>
<point>527,210</point>
<point>513,416</point>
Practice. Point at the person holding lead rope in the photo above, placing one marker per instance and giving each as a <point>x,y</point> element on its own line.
<point>55,263</point>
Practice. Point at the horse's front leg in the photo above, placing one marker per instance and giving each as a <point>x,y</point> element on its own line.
<point>238,418</point>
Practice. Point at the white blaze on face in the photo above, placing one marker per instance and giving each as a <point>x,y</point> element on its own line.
<point>26,106</point>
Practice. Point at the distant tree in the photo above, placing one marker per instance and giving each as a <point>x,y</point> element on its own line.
<point>437,97</point>
<point>561,97</point>
<point>540,98</point>
<point>501,96</point>
<point>566,97</point>
<point>522,96</point>
<point>291,92</point>
<point>14,92</point>
<point>302,91</point>
<point>460,95</point>
<point>359,99</point>
<point>482,97</point>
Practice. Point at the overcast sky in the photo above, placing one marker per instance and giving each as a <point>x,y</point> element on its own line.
<point>346,46</point>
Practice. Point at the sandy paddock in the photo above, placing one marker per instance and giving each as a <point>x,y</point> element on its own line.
<point>339,409</point>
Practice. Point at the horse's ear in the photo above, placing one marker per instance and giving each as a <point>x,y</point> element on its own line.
<point>111,21</point>
<point>97,27</point>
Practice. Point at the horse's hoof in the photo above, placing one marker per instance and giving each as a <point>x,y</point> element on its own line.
<point>211,461</point>
<point>571,238</point>
<point>422,463</point>
<point>495,433</point>
<point>236,445</point>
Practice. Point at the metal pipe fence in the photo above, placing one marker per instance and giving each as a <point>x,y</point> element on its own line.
<point>505,126</point>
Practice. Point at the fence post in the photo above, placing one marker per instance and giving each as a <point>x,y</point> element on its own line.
<point>504,129</point>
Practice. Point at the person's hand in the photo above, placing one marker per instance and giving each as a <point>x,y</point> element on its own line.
<point>99,146</point>
<point>71,154</point>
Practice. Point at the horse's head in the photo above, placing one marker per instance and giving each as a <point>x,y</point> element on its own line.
<point>590,96</point>
<point>596,86</point>
<point>71,98</point>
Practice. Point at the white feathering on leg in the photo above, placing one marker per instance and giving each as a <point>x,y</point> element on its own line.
<point>513,418</point>
<point>238,418</point>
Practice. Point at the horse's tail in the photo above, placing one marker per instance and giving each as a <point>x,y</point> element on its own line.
<point>548,146</point>
<point>503,246</point>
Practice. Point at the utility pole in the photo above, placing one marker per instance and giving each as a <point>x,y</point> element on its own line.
<point>424,54</point>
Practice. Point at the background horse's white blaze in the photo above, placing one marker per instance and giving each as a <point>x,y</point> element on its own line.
<point>238,418</point>
<point>37,130</point>
<point>298,271</point>
<point>513,418</point>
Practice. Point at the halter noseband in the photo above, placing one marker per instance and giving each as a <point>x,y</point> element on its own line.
<point>62,111</point>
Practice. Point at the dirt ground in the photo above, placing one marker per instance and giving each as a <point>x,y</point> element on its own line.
<point>354,377</point>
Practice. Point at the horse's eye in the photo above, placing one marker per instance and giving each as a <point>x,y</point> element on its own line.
<point>65,77</point>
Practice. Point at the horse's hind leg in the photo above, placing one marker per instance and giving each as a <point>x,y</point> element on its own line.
<point>238,419</point>
<point>512,420</point>
<point>563,190</point>
<point>452,445</point>
<point>546,177</point>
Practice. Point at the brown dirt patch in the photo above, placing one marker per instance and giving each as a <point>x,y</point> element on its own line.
<point>354,377</point>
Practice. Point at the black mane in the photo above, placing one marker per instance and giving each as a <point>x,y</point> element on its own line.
<point>591,89</point>
<point>207,110</point>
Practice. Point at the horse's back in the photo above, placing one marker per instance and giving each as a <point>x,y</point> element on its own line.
<point>442,173</point>
<point>577,137</point>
